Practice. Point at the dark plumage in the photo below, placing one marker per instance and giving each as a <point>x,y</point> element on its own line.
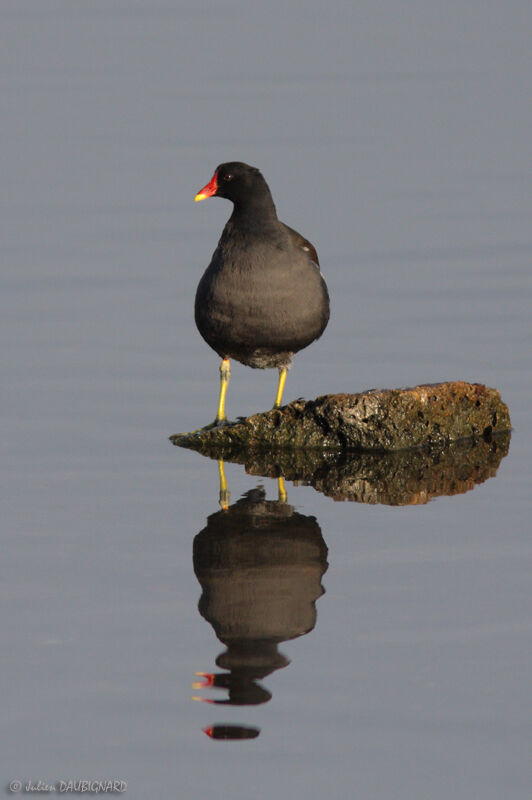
<point>262,298</point>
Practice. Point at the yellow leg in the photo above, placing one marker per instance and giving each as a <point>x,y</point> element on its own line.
<point>225,375</point>
<point>281,490</point>
<point>225,494</point>
<point>282,379</point>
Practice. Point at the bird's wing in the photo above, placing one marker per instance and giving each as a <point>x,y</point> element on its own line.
<point>302,243</point>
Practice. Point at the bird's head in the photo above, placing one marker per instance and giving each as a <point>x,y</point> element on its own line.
<point>234,180</point>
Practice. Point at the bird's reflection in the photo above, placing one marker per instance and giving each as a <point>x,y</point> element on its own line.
<point>260,565</point>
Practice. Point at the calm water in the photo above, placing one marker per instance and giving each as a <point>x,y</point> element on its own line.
<point>397,137</point>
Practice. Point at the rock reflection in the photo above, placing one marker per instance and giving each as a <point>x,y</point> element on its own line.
<point>260,564</point>
<point>409,477</point>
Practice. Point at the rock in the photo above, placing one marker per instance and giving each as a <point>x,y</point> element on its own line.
<point>379,420</point>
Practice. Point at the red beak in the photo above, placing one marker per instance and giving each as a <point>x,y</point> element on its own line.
<point>208,190</point>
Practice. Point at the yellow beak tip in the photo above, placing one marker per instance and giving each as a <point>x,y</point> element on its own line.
<point>200,196</point>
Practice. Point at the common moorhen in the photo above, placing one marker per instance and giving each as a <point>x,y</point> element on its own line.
<point>262,298</point>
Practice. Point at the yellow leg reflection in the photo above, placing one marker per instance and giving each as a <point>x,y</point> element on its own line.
<point>225,494</point>
<point>281,490</point>
<point>283,371</point>
<point>225,375</point>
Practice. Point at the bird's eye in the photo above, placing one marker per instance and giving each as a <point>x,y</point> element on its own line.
<point>228,177</point>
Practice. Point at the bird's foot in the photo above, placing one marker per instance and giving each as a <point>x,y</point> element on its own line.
<point>218,423</point>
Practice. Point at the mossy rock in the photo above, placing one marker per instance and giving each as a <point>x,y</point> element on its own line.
<point>378,420</point>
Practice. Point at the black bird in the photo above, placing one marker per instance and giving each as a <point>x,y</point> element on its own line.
<point>262,298</point>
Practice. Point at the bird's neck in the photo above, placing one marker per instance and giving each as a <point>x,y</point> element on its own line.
<point>255,212</point>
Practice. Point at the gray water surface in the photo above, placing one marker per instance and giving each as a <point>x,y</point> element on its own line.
<point>397,138</point>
